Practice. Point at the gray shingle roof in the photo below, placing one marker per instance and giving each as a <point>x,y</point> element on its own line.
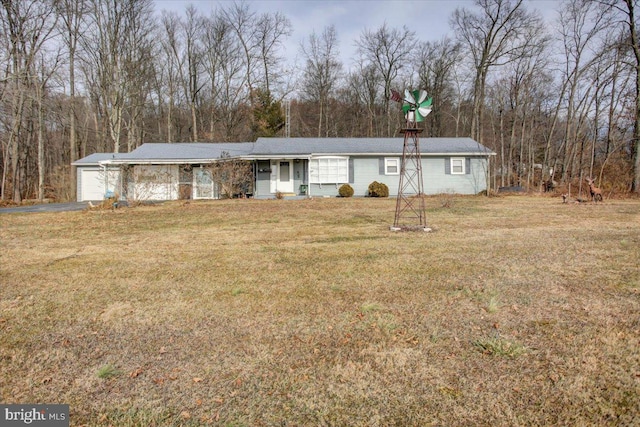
<point>354,146</point>
<point>284,147</point>
<point>187,151</point>
<point>95,158</point>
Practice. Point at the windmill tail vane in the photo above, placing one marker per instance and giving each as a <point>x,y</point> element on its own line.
<point>395,96</point>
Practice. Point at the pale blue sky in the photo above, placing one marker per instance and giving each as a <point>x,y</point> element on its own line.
<point>428,18</point>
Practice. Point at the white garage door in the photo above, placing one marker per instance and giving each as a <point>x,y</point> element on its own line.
<point>91,185</point>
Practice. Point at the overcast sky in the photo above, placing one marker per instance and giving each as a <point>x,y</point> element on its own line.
<point>428,18</point>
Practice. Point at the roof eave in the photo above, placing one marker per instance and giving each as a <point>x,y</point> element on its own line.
<point>156,161</point>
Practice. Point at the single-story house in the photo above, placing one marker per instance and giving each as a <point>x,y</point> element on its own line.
<point>290,166</point>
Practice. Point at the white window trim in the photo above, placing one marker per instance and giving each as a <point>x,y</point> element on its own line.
<point>461,160</point>
<point>387,160</point>
<point>314,174</point>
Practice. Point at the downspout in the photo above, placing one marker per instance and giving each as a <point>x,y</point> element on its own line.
<point>488,178</point>
<point>106,179</point>
<point>308,166</point>
<point>254,181</point>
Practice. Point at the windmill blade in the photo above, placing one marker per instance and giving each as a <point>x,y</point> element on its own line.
<point>422,96</point>
<point>424,107</point>
<point>424,112</point>
<point>409,98</point>
<point>426,103</point>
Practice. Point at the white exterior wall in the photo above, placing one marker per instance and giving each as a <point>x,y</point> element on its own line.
<point>153,182</point>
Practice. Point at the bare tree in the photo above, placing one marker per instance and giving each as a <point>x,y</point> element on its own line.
<point>625,12</point>
<point>46,68</point>
<point>498,33</point>
<point>192,28</point>
<point>243,21</point>
<point>580,26</point>
<point>436,62</point>
<point>71,14</point>
<point>363,97</point>
<point>139,72</point>
<point>233,177</point>
<point>271,30</point>
<point>112,56</point>
<point>321,73</point>
<point>635,46</point>
<point>171,63</point>
<point>388,51</point>
<point>227,82</point>
<point>28,25</point>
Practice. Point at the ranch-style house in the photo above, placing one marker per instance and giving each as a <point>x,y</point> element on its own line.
<point>311,167</point>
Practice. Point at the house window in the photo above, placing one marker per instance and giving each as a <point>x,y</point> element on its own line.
<point>391,166</point>
<point>329,170</point>
<point>458,166</point>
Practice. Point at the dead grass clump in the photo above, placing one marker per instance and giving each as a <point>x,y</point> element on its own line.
<point>497,346</point>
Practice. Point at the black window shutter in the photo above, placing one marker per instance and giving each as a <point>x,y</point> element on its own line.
<point>381,165</point>
<point>467,165</point>
<point>447,166</point>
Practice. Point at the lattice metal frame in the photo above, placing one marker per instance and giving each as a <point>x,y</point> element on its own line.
<point>410,203</point>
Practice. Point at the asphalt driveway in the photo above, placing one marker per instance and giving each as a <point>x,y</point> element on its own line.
<point>47,207</point>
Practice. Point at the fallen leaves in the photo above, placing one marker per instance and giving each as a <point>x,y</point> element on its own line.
<point>136,373</point>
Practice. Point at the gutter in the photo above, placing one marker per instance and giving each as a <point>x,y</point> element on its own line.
<point>157,161</point>
<point>312,155</point>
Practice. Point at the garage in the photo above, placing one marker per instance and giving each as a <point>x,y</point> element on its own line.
<point>91,183</point>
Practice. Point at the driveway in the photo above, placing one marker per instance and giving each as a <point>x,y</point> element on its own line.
<point>47,207</point>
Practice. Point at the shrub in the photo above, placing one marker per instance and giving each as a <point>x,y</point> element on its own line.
<point>345,190</point>
<point>378,189</point>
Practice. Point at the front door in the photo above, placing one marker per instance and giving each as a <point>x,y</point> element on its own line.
<point>204,187</point>
<point>281,176</point>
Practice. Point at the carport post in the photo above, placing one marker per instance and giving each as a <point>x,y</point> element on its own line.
<point>106,179</point>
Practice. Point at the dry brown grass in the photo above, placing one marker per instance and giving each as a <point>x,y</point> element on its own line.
<point>514,311</point>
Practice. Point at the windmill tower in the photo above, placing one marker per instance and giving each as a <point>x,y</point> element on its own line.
<point>410,205</point>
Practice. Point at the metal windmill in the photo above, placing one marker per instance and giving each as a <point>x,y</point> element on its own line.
<point>410,205</point>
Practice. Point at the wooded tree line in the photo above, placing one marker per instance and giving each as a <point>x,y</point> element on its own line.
<point>556,102</point>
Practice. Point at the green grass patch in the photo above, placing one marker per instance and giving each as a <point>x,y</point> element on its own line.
<point>107,371</point>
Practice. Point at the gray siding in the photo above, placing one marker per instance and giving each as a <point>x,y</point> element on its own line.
<point>364,170</point>
<point>436,181</point>
<point>437,178</point>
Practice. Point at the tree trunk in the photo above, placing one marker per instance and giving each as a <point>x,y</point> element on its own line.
<point>14,144</point>
<point>635,145</point>
<point>41,168</point>
<point>73,148</point>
